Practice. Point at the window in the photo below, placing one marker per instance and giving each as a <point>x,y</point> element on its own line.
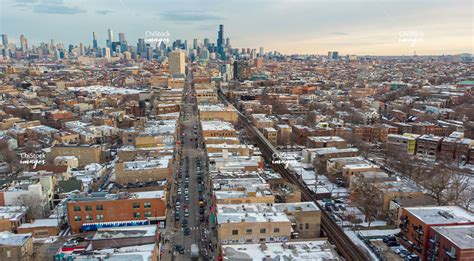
<point>77,208</point>
<point>263,231</point>
<point>88,218</point>
<point>99,207</point>
<point>100,217</point>
<point>147,213</point>
<point>276,230</point>
<point>235,232</point>
<point>301,226</point>
<point>88,208</point>
<point>248,231</point>
<point>77,218</point>
<point>147,205</point>
<point>136,215</point>
<point>136,205</point>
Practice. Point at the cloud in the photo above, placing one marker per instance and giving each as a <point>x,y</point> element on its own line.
<point>103,12</point>
<point>181,16</point>
<point>50,7</point>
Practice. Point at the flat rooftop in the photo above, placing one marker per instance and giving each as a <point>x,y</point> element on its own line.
<point>302,250</point>
<point>461,236</point>
<point>10,239</point>
<point>215,107</point>
<point>260,212</point>
<point>150,163</point>
<point>217,125</point>
<point>326,138</point>
<point>125,232</point>
<point>441,214</point>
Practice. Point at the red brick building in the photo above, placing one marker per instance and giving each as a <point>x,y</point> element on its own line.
<point>86,211</point>
<point>416,222</point>
<point>451,243</point>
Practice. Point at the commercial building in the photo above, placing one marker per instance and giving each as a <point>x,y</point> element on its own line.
<point>260,223</point>
<point>96,210</point>
<point>301,250</point>
<point>217,129</point>
<point>143,170</point>
<point>218,112</point>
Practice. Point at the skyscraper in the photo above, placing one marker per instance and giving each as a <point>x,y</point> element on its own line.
<point>106,52</point>
<point>122,38</point>
<point>141,46</point>
<point>195,43</point>
<point>23,43</point>
<point>261,52</point>
<point>5,40</point>
<point>220,41</point>
<point>111,38</point>
<point>176,62</point>
<point>94,41</point>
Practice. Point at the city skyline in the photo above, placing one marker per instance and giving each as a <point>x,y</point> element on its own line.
<point>374,28</point>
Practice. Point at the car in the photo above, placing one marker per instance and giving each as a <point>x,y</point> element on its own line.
<point>403,253</point>
<point>388,238</point>
<point>412,257</point>
<point>342,207</point>
<point>177,216</point>
<point>184,223</point>
<point>178,202</point>
<point>179,249</point>
<point>396,250</point>
<point>335,208</point>
<point>187,231</point>
<point>186,212</point>
<point>338,201</point>
<point>201,210</point>
<point>393,243</point>
<point>201,197</point>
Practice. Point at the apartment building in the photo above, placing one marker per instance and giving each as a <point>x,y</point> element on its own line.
<point>416,222</point>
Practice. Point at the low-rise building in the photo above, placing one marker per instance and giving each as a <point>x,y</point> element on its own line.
<point>451,243</point>
<point>218,112</point>
<point>16,246</point>
<point>326,141</point>
<point>89,212</point>
<point>416,222</point>
<point>143,170</point>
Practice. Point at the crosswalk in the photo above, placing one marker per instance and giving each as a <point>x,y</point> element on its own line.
<point>190,228</point>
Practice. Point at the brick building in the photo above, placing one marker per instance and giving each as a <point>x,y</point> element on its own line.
<point>89,212</point>
<point>416,222</point>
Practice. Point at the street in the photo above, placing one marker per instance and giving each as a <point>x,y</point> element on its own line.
<point>189,213</point>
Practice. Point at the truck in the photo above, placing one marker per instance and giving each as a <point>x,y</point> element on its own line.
<point>194,251</point>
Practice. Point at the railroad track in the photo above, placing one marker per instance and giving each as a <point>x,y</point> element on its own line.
<point>346,247</point>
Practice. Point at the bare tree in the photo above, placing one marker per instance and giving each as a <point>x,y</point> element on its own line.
<point>445,183</point>
<point>367,196</point>
<point>33,206</point>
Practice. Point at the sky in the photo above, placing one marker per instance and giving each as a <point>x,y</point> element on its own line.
<point>361,27</point>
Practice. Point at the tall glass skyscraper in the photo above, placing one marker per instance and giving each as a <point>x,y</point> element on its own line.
<point>220,42</point>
